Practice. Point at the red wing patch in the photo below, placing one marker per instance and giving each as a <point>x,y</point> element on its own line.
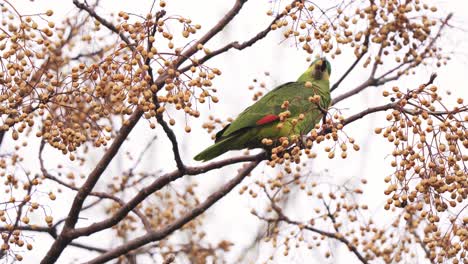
<point>267,119</point>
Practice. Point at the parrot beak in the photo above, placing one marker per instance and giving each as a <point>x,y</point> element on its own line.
<point>323,67</point>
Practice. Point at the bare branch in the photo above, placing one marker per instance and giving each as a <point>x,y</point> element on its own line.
<point>101,195</point>
<point>181,221</point>
<point>355,63</point>
<point>157,185</point>
<point>87,247</point>
<point>382,79</point>
<point>368,111</point>
<point>175,146</point>
<point>396,106</point>
<point>369,82</point>
<point>211,33</point>
<point>140,157</point>
<point>63,239</point>
<point>52,231</point>
<point>420,242</point>
<point>86,55</point>
<point>107,24</point>
<point>377,62</point>
<point>431,79</point>
<point>337,236</point>
<point>239,46</point>
<point>2,135</point>
<point>19,213</point>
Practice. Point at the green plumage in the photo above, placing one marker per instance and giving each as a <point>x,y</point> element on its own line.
<point>249,128</point>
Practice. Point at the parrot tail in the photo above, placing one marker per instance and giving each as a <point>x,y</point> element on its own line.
<point>217,149</point>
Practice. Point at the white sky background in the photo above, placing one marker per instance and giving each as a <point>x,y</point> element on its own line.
<point>230,218</point>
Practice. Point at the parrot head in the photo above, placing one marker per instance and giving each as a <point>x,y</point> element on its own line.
<point>319,69</point>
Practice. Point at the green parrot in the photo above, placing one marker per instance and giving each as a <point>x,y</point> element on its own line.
<point>293,108</point>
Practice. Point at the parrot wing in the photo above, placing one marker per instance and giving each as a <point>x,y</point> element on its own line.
<point>264,111</point>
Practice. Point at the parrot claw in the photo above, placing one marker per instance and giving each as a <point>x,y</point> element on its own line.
<point>302,143</point>
<point>327,128</point>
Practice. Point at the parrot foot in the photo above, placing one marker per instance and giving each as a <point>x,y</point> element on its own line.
<point>302,142</point>
<point>326,128</point>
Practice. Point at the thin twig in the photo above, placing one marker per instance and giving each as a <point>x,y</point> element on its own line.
<point>104,22</point>
<point>236,45</point>
<point>65,236</point>
<point>101,195</point>
<point>181,221</point>
<point>355,63</point>
<point>337,236</point>
<point>52,231</point>
<point>85,55</point>
<point>211,33</point>
<point>157,185</point>
<point>382,79</point>
<point>63,239</point>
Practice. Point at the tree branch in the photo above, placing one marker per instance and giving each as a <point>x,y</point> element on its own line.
<point>107,24</point>
<point>172,137</point>
<point>52,231</point>
<point>211,33</point>
<point>355,63</point>
<point>63,239</point>
<point>337,236</point>
<point>396,106</point>
<point>86,55</point>
<point>373,81</point>
<point>156,185</point>
<point>236,45</point>
<point>369,82</point>
<point>2,135</point>
<point>368,111</point>
<point>164,232</point>
<point>19,212</point>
